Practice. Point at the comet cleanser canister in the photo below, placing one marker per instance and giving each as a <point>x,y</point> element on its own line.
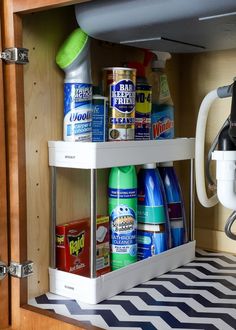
<point>119,87</point>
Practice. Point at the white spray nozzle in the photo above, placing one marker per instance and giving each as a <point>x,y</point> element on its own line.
<point>162,57</point>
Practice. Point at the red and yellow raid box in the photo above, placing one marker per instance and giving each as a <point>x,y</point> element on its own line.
<point>73,246</point>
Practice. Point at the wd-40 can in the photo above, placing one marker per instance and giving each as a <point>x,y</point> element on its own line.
<point>119,87</point>
<point>143,110</point>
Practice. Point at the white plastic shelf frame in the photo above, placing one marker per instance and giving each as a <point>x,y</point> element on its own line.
<point>94,290</point>
<point>90,155</point>
<point>87,155</point>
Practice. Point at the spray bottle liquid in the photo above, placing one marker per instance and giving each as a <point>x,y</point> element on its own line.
<point>122,194</point>
<point>73,58</point>
<point>162,118</point>
<point>175,203</point>
<point>153,221</point>
<point>143,103</point>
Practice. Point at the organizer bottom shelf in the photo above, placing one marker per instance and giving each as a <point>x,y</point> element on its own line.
<point>198,295</point>
<point>93,291</point>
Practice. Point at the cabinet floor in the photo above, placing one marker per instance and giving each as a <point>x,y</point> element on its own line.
<point>199,295</point>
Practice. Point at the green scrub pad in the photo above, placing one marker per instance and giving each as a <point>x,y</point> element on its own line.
<point>71,48</point>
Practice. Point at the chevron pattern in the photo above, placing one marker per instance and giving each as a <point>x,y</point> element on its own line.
<point>199,295</point>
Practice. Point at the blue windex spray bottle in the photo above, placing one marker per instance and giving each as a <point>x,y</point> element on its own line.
<point>123,215</point>
<point>162,117</point>
<point>153,222</point>
<point>175,203</point>
<point>73,57</point>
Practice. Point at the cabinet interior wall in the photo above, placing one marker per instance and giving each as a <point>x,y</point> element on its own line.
<point>190,78</point>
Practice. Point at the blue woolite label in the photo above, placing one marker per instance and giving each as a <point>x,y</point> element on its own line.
<point>77,112</point>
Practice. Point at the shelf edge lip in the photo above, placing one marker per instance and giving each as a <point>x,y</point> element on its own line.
<point>119,144</point>
<point>68,154</point>
<point>95,290</point>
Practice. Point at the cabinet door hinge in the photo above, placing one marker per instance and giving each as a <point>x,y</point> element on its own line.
<point>15,269</point>
<point>15,55</point>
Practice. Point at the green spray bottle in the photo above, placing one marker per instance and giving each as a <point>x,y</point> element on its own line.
<point>123,216</point>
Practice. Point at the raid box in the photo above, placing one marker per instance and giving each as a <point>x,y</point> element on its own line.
<point>73,246</point>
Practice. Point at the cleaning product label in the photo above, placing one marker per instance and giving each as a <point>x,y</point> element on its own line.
<point>119,86</point>
<point>176,223</point>
<point>151,214</point>
<point>123,236</point>
<point>152,240</point>
<point>99,119</point>
<point>122,193</point>
<point>122,110</point>
<point>72,240</point>
<point>177,233</point>
<point>164,95</point>
<point>162,121</point>
<point>143,112</point>
<point>123,225</point>
<point>103,245</point>
<point>77,112</point>
<point>151,205</point>
<point>175,211</point>
<point>122,96</point>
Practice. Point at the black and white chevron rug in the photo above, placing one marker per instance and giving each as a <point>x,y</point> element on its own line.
<point>199,295</point>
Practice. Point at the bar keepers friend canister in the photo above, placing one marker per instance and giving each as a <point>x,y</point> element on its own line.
<point>119,87</point>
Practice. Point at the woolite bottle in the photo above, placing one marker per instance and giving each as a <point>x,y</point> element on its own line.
<point>123,216</point>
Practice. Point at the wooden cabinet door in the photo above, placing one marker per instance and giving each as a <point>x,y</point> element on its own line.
<point>14,304</point>
<point>4,282</point>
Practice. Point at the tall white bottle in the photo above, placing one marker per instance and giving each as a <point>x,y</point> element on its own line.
<point>73,57</point>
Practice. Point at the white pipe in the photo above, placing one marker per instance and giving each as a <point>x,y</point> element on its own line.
<point>225,175</point>
<point>226,193</point>
<point>199,150</point>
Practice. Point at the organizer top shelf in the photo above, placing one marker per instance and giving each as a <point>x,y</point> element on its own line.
<point>92,155</point>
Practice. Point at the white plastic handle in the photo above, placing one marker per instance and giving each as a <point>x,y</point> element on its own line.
<point>199,150</point>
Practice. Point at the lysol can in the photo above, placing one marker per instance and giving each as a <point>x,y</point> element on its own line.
<point>119,87</point>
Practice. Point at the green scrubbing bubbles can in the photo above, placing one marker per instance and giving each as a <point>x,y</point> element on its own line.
<point>123,216</point>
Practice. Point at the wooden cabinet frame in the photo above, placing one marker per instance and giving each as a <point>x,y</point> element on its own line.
<point>22,316</point>
<point>4,284</point>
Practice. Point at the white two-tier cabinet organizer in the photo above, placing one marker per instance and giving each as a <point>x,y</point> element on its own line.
<point>93,156</point>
